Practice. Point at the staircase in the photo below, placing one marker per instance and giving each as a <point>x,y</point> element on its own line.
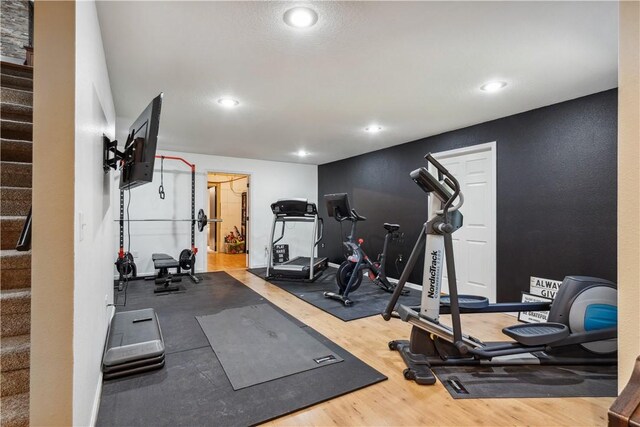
<point>16,134</point>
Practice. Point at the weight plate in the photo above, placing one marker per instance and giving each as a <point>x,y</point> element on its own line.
<point>202,220</point>
<point>126,266</point>
<point>187,259</point>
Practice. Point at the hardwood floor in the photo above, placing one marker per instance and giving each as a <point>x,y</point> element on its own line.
<point>397,402</point>
<point>219,261</point>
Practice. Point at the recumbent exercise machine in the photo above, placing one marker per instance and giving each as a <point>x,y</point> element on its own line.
<point>582,322</point>
<point>350,272</point>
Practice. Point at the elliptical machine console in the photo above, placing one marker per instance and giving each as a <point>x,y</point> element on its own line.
<point>582,326</point>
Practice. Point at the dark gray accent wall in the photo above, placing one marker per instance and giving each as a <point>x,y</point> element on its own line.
<point>556,192</point>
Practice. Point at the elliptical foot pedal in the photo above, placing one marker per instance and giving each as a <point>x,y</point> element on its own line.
<point>535,334</point>
<point>472,302</point>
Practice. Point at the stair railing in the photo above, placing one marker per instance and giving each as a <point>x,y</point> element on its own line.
<point>24,242</point>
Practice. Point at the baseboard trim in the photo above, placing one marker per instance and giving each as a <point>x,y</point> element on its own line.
<point>98,394</point>
<point>96,402</point>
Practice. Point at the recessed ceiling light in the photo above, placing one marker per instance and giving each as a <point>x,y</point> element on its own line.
<point>300,17</point>
<point>493,86</point>
<point>373,129</point>
<point>302,153</point>
<point>228,102</point>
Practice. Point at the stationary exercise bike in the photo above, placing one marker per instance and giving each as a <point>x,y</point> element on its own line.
<point>350,272</point>
<point>582,321</point>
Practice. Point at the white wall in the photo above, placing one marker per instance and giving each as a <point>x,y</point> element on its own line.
<point>269,181</point>
<point>94,255</point>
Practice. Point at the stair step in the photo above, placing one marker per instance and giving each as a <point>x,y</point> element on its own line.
<point>15,278</point>
<point>15,150</point>
<point>17,112</point>
<point>10,229</point>
<point>13,129</point>
<point>15,174</point>
<point>15,301</point>
<point>14,382</point>
<point>15,324</point>
<point>10,259</point>
<point>15,411</point>
<point>15,352</point>
<point>16,82</point>
<point>16,70</point>
<point>16,201</point>
<point>16,96</point>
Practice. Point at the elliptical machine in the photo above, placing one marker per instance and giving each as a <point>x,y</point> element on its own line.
<point>582,326</point>
<point>350,272</point>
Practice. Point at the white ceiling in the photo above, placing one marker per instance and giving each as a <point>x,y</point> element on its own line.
<point>413,67</point>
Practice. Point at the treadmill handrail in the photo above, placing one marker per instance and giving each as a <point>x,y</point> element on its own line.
<point>320,232</point>
<point>281,235</point>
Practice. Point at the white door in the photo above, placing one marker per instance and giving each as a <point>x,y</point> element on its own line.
<point>474,244</point>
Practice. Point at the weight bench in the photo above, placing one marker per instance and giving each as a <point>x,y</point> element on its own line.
<point>164,279</point>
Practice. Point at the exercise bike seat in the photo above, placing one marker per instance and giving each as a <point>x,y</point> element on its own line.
<point>391,227</point>
<point>534,334</point>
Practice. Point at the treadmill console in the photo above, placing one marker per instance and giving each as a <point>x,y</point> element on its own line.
<point>294,207</point>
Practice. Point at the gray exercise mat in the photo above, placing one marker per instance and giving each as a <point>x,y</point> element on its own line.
<point>256,344</point>
<point>485,382</point>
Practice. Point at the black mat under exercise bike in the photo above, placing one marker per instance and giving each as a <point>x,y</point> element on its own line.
<point>349,275</point>
<point>370,301</point>
<point>582,322</point>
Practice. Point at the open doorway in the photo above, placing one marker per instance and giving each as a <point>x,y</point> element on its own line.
<point>227,240</point>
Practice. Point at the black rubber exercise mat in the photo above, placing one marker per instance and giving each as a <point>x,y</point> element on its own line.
<point>485,382</point>
<point>368,299</point>
<point>193,389</point>
<point>256,344</point>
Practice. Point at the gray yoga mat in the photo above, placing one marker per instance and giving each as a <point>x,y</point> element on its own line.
<point>256,344</point>
<point>485,382</point>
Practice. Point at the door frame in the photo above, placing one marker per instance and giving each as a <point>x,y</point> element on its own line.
<point>479,148</point>
<point>247,240</point>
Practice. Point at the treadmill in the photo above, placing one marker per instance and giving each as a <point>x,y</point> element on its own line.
<point>302,268</point>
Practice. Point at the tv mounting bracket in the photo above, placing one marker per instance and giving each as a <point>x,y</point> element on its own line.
<point>110,154</point>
